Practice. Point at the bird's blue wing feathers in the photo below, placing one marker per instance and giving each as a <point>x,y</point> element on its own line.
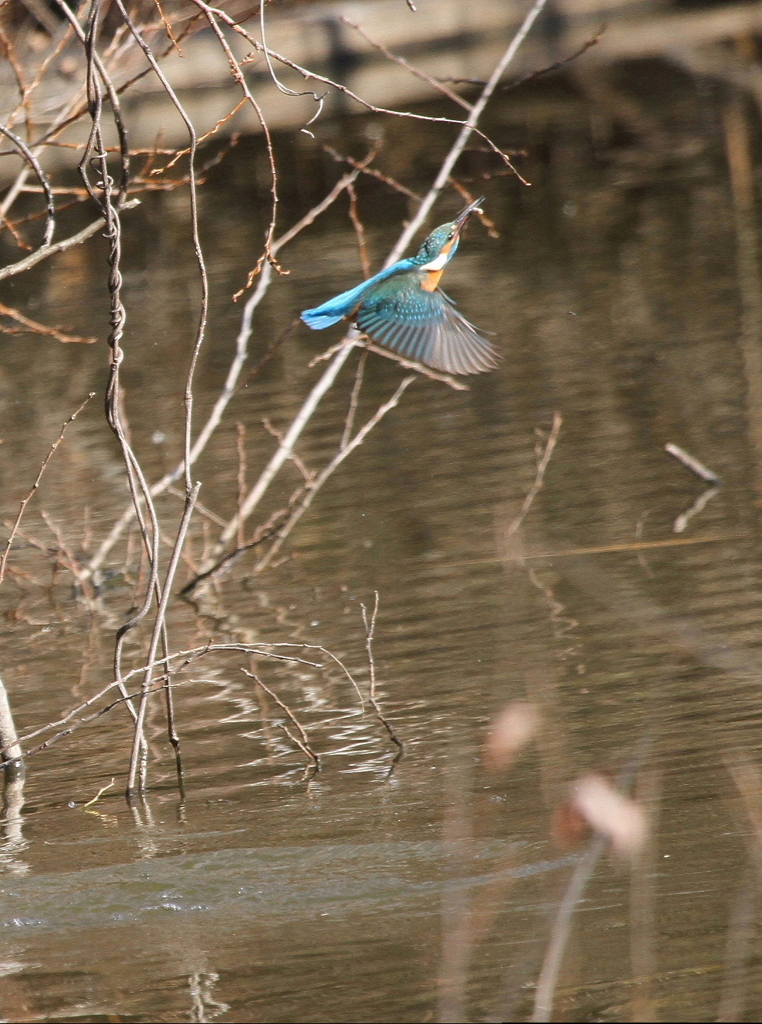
<point>426,327</point>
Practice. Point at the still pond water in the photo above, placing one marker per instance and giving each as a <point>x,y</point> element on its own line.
<point>624,290</point>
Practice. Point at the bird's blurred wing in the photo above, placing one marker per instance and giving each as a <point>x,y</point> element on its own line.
<point>425,326</point>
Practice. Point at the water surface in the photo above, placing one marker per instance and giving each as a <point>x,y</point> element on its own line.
<point>622,292</point>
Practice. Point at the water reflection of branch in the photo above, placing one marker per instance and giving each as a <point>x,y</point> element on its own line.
<point>12,821</point>
<point>698,505</point>
<point>13,771</point>
<point>302,741</point>
<point>204,1008</point>
<point>181,660</point>
<point>562,624</point>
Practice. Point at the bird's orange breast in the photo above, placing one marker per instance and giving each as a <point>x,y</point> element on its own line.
<point>431,280</point>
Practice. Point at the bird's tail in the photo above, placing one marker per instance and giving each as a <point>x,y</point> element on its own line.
<point>340,307</point>
<point>318,320</point>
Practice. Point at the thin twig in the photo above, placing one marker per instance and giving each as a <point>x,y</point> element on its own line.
<point>240,444</point>
<point>429,79</point>
<point>212,14</point>
<point>32,326</point>
<point>372,172</point>
<point>370,629</point>
<point>55,247</point>
<point>102,194</point>
<point>36,484</point>
<point>410,364</point>
<point>357,224</point>
<point>353,400</point>
<point>542,465</point>
<point>198,252</point>
<point>177,155</point>
<point>303,743</point>
<point>692,463</point>
<point>307,475</point>
<point>157,632</point>
<point>532,75</point>
<point>548,978</point>
<point>312,75</point>
<point>50,220</point>
<point>99,794</point>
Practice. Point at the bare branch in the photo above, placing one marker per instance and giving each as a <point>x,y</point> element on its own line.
<point>542,465</point>
<point>55,247</point>
<point>50,221</point>
<point>27,325</point>
<point>36,484</point>
<point>370,629</point>
<point>435,83</point>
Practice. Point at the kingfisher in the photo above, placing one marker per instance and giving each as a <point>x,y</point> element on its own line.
<point>403,308</point>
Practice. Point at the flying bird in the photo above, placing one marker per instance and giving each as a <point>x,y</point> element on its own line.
<point>404,309</point>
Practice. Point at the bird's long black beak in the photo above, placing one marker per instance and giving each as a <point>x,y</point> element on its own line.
<point>462,218</point>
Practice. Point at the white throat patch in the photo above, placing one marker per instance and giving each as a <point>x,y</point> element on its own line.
<point>437,264</point>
